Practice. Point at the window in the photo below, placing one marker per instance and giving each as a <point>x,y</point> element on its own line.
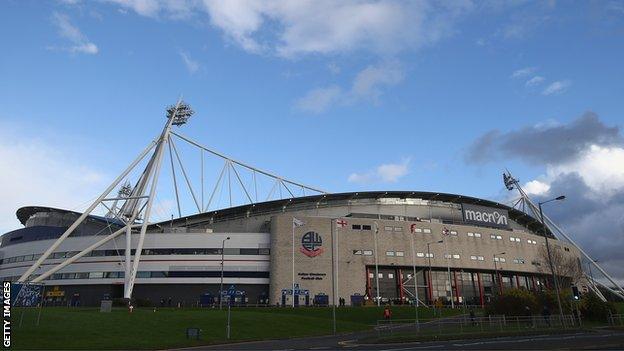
<point>474,258</point>
<point>456,256</point>
<point>420,254</point>
<point>511,238</point>
<point>390,275</point>
<point>454,232</point>
<point>531,241</point>
<point>371,275</point>
<point>480,258</point>
<point>427,230</point>
<point>367,252</point>
<point>519,260</point>
<point>499,259</point>
<point>492,236</point>
<point>380,275</point>
<point>477,235</point>
<point>470,234</point>
<point>388,228</point>
<point>84,275</point>
<point>447,256</point>
<point>418,230</point>
<point>398,229</point>
<point>143,274</point>
<point>389,253</point>
<point>366,227</point>
<point>566,249</point>
<point>357,252</point>
<point>498,237</point>
<point>356,227</point>
<point>400,254</point>
<point>96,275</point>
<point>429,255</point>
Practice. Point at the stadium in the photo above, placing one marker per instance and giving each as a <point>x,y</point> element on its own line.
<point>357,248</point>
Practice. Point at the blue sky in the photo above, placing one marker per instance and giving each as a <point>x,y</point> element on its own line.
<point>345,96</point>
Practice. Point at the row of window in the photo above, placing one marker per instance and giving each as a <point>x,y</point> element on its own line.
<point>361,227</point>
<point>395,253</point>
<point>515,239</point>
<point>121,252</point>
<point>160,274</point>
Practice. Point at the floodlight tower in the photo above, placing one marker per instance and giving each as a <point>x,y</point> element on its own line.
<point>137,204</point>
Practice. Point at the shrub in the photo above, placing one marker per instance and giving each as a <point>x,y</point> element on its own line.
<point>594,309</point>
<point>514,302</point>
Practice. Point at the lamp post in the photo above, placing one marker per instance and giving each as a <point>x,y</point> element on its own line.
<point>221,285</point>
<point>550,263</point>
<point>429,258</point>
<point>498,283</point>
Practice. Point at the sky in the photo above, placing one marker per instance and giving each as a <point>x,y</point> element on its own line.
<point>342,96</point>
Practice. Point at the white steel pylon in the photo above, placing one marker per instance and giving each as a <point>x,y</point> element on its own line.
<point>512,183</point>
<point>131,208</point>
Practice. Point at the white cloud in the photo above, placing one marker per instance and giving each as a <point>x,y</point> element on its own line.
<point>537,80</point>
<point>37,172</point>
<point>289,29</point>
<point>536,187</point>
<point>557,87</point>
<point>600,167</point>
<point>319,100</point>
<point>80,43</point>
<point>191,65</point>
<point>523,72</point>
<point>367,85</point>
<point>368,82</point>
<point>385,173</point>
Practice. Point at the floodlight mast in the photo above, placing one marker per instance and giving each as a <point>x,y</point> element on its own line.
<point>512,183</point>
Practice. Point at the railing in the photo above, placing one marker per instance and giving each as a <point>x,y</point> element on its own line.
<point>466,325</point>
<point>616,319</point>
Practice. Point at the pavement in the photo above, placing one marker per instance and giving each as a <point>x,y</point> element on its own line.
<point>595,340</point>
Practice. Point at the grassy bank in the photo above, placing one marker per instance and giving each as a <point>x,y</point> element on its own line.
<point>87,328</point>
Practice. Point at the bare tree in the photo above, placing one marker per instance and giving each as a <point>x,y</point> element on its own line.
<point>567,267</point>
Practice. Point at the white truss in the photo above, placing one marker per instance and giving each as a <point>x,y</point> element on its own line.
<point>135,213</point>
<point>525,202</point>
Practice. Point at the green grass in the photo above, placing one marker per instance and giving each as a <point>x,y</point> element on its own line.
<point>87,328</point>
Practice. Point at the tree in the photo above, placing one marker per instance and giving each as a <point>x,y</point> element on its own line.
<point>567,267</point>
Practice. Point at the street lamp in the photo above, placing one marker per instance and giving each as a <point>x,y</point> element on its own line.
<point>550,263</point>
<point>498,284</point>
<point>429,258</point>
<point>221,285</point>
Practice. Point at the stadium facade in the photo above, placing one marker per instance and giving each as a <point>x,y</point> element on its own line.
<point>375,242</point>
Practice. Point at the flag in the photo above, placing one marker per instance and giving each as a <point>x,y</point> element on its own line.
<point>341,223</point>
<point>297,223</point>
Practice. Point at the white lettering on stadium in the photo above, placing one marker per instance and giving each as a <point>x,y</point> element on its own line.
<point>487,217</point>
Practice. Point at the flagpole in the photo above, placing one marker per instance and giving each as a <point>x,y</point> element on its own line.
<point>293,263</point>
<point>376,264</point>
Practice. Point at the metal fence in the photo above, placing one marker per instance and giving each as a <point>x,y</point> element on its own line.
<point>616,319</point>
<point>466,325</point>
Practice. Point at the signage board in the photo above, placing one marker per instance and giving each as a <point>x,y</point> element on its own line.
<point>487,216</point>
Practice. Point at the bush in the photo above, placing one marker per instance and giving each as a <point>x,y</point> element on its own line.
<point>594,309</point>
<point>514,302</point>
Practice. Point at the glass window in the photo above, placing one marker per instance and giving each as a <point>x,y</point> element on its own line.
<point>418,230</point>
<point>456,256</point>
<point>83,275</point>
<point>429,255</point>
<point>96,275</point>
<point>480,258</point>
<point>371,275</point>
<point>447,256</point>
<point>420,254</point>
<point>388,228</point>
<point>492,236</point>
<point>356,227</point>
<point>390,275</point>
<point>143,274</point>
<point>357,252</point>
<point>157,274</point>
<point>511,238</point>
<point>264,251</point>
<point>380,275</point>
<point>426,230</point>
<point>454,232</point>
<point>400,253</point>
<point>498,237</point>
<point>366,227</point>
<point>470,234</point>
<point>368,252</point>
<point>389,253</point>
<point>477,235</point>
<point>474,258</point>
<point>398,229</point>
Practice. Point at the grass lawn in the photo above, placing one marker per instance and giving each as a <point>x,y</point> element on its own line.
<point>87,328</point>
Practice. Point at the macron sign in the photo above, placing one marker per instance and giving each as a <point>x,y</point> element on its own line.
<point>489,216</point>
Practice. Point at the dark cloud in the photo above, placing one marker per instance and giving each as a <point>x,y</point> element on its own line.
<point>594,223</point>
<point>544,145</point>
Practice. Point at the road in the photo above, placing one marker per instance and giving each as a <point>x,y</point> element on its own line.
<point>599,340</point>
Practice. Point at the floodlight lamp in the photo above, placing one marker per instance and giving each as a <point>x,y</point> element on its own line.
<point>180,113</point>
<point>562,197</point>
